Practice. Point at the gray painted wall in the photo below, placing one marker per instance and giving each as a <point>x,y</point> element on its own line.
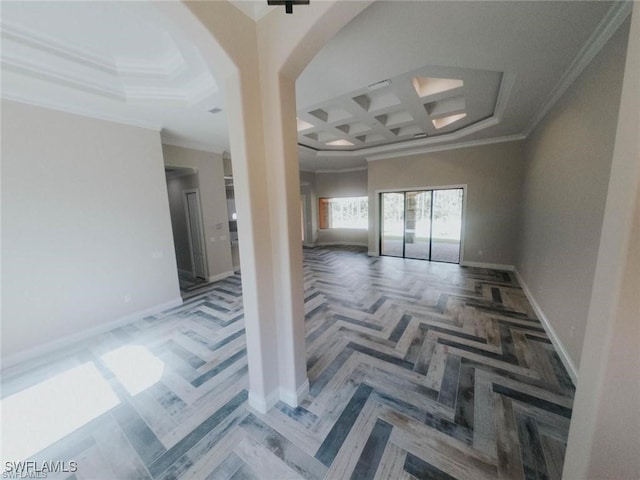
<point>175,189</point>
<point>213,202</point>
<point>493,175</point>
<point>568,161</point>
<point>86,235</point>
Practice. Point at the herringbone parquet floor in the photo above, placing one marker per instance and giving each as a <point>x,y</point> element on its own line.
<point>417,370</point>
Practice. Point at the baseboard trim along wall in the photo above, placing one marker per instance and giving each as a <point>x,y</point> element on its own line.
<point>13,363</point>
<point>492,266</point>
<point>264,404</point>
<point>349,244</point>
<point>185,272</point>
<point>553,336</point>
<point>293,399</point>
<point>221,276</point>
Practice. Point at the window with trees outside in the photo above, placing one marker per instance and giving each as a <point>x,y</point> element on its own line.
<point>349,212</point>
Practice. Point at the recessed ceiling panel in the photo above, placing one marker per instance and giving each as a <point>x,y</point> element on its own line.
<point>430,101</point>
<point>445,107</point>
<point>445,121</point>
<point>377,100</point>
<point>427,86</point>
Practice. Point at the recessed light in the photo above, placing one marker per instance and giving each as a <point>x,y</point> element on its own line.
<point>340,143</point>
<point>444,121</point>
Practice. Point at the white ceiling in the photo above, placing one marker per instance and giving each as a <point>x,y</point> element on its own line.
<point>124,61</point>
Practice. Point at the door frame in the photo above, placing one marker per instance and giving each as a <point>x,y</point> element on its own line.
<point>378,212</point>
<point>202,239</point>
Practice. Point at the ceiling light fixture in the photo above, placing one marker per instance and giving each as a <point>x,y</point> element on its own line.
<point>288,4</point>
<point>420,135</point>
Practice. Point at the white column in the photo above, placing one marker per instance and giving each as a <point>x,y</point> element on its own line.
<point>258,65</point>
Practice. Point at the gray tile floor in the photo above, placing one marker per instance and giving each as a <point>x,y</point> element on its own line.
<point>440,251</point>
<point>416,369</point>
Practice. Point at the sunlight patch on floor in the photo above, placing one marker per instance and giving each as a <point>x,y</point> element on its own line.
<point>40,415</point>
<point>135,367</point>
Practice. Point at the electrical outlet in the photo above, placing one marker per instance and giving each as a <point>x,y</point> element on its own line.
<point>157,254</point>
<point>572,330</point>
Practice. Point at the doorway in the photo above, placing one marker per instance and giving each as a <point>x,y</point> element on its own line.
<point>422,224</point>
<point>196,233</point>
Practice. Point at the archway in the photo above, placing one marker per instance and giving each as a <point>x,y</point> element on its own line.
<point>257,64</point>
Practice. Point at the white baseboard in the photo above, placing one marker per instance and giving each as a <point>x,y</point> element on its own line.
<point>13,362</point>
<point>293,399</point>
<point>551,333</point>
<point>236,268</point>
<point>220,276</point>
<point>264,403</point>
<point>492,266</point>
<point>372,254</point>
<point>349,244</point>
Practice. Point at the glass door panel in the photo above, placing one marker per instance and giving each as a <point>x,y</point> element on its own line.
<point>447,225</point>
<point>417,225</point>
<point>424,225</point>
<point>392,224</point>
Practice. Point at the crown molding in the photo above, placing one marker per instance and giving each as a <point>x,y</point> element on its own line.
<point>442,148</point>
<point>41,72</point>
<point>103,69</point>
<point>169,66</point>
<point>342,170</point>
<point>55,46</point>
<point>604,31</point>
<point>133,122</point>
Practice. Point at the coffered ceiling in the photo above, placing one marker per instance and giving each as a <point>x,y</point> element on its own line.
<point>427,102</point>
<point>403,76</point>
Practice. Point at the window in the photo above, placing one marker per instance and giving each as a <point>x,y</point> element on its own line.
<point>351,212</point>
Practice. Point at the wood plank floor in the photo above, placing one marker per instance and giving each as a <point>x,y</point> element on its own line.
<point>417,370</point>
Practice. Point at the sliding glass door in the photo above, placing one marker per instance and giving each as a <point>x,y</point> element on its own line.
<point>392,224</point>
<point>425,225</point>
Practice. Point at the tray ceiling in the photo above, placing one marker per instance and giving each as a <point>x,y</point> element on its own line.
<point>374,89</point>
